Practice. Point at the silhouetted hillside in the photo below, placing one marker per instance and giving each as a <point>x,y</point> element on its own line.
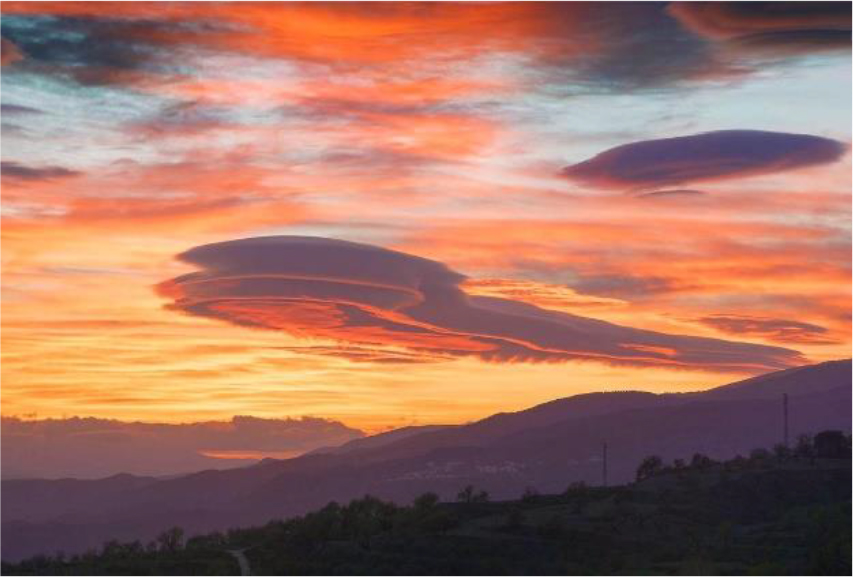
<point>784,511</point>
<point>381,439</point>
<point>795,381</point>
<point>546,447</point>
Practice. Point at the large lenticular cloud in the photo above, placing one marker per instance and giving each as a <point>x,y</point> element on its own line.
<point>723,154</point>
<point>361,294</point>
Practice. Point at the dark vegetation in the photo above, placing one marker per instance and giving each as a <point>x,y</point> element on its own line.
<point>779,511</point>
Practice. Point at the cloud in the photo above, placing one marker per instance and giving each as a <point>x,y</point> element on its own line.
<point>381,356</point>
<point>354,293</point>
<point>722,154</point>
<point>545,295</point>
<point>777,26</point>
<point>90,447</point>
<point>673,193</point>
<point>19,171</point>
<point>9,52</point>
<point>777,330</point>
<point>626,285</point>
<point>18,109</point>
<point>93,50</point>
<point>578,45</point>
<point>635,46</point>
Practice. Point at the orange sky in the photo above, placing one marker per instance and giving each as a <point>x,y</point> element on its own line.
<point>436,130</point>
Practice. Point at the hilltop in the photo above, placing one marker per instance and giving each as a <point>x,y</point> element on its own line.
<point>545,447</point>
<point>779,512</point>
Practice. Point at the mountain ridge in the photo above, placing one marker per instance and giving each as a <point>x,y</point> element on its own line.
<point>547,447</point>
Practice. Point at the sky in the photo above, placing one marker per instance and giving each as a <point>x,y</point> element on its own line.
<point>405,213</point>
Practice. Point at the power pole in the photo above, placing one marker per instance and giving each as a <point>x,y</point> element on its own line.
<point>604,465</point>
<point>785,417</point>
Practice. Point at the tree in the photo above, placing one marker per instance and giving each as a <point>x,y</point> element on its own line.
<point>782,452</point>
<point>759,455</point>
<point>649,467</point>
<point>481,497</point>
<point>553,527</point>
<point>700,461</point>
<point>466,495</point>
<point>530,495</point>
<point>426,502</point>
<point>830,445</point>
<point>804,448</point>
<point>514,519</point>
<point>171,540</point>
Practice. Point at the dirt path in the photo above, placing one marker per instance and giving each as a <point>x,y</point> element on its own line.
<point>238,554</point>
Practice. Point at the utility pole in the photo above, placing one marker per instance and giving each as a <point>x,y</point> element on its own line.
<point>785,417</point>
<point>604,465</point>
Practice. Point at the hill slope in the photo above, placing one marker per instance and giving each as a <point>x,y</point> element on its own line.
<point>547,447</point>
<point>782,514</point>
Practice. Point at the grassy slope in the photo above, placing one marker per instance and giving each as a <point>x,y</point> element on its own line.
<point>751,518</point>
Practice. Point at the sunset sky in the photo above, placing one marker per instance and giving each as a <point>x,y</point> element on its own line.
<point>677,171</point>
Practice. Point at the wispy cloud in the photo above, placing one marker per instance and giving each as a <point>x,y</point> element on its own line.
<point>778,330</point>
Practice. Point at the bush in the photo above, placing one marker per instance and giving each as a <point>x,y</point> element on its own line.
<point>530,495</point>
<point>649,467</point>
<point>552,528</point>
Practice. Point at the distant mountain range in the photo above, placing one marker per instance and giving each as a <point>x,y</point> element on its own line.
<point>545,447</point>
<point>90,448</point>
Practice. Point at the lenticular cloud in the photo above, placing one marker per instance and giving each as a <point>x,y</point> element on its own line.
<point>724,154</point>
<point>366,295</point>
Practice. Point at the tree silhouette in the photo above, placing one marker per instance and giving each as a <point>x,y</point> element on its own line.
<point>804,448</point>
<point>171,540</point>
<point>831,445</point>
<point>700,461</point>
<point>649,467</point>
<point>467,495</point>
<point>426,502</point>
<point>530,494</point>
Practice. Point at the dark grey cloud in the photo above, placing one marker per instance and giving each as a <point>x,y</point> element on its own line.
<point>96,51</point>
<point>19,171</point>
<point>780,27</point>
<point>370,296</point>
<point>639,45</point>
<point>722,154</point>
<point>777,330</point>
<point>16,109</point>
<point>576,46</point>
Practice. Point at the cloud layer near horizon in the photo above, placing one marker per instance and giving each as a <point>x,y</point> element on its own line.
<point>91,448</point>
<point>717,155</point>
<point>362,294</point>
